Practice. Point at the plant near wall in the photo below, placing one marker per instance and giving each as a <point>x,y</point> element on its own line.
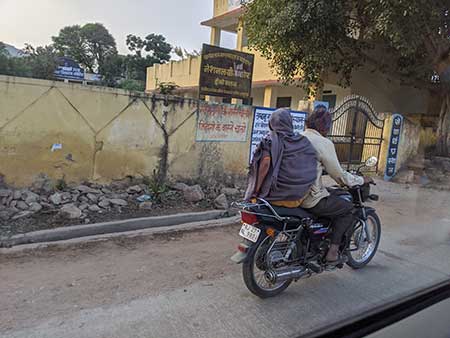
<point>157,187</point>
<point>61,184</point>
<point>166,88</point>
<point>183,53</point>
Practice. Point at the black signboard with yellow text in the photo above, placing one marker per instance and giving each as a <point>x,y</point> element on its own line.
<point>225,72</point>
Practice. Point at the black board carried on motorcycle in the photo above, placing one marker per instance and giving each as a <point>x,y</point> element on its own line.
<point>281,245</point>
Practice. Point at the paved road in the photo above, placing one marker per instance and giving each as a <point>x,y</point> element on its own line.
<point>185,286</point>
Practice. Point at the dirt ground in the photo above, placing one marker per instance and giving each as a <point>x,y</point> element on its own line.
<point>59,282</point>
<point>103,273</point>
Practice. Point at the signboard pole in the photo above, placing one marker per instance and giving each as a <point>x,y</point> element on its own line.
<point>394,141</point>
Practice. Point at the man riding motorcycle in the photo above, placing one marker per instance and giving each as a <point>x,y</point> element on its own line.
<point>319,201</point>
<point>287,171</point>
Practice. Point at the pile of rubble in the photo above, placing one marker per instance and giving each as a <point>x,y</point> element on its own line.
<point>80,201</point>
<point>432,172</point>
<point>437,171</point>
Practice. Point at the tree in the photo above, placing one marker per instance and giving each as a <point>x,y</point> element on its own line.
<point>41,61</point>
<point>146,52</point>
<point>100,42</point>
<point>12,66</point>
<point>113,69</point>
<point>89,45</point>
<point>132,85</point>
<point>71,42</point>
<point>37,62</point>
<point>154,46</point>
<point>407,40</point>
<point>5,66</point>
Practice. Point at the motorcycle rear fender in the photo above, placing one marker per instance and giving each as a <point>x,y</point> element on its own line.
<point>240,257</point>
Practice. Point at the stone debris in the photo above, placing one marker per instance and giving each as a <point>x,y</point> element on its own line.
<point>221,202</point>
<point>77,202</point>
<point>85,189</point>
<point>146,206</point>
<point>230,191</point>
<point>194,193</point>
<point>94,208</point>
<point>55,198</point>
<point>135,189</point>
<point>70,211</point>
<point>22,214</point>
<point>22,205</point>
<point>35,207</point>
<point>5,192</point>
<point>118,201</point>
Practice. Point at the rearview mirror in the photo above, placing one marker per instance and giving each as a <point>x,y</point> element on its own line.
<point>371,161</point>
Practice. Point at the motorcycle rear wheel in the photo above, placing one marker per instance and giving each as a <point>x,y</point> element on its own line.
<point>258,285</point>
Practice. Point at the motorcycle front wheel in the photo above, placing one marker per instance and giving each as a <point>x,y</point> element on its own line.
<point>254,268</point>
<point>364,244</point>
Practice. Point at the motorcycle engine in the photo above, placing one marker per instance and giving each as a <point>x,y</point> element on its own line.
<point>275,257</point>
<point>318,234</point>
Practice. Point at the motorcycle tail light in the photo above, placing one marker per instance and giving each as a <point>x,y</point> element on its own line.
<point>242,248</point>
<point>248,218</point>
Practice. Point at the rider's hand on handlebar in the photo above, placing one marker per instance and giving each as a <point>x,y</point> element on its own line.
<point>368,180</point>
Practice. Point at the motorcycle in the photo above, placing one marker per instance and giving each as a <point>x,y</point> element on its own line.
<point>281,245</point>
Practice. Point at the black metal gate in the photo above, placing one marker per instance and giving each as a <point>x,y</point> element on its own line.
<point>357,131</point>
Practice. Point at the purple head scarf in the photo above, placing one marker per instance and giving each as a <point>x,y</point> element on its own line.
<point>293,166</point>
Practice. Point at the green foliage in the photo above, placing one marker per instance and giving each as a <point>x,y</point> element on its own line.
<point>145,53</point>
<point>41,61</point>
<point>89,45</point>
<point>132,85</point>
<point>156,187</point>
<point>61,184</point>
<point>308,38</point>
<point>133,67</point>
<point>38,62</point>
<point>5,61</point>
<point>113,69</point>
<point>94,48</point>
<point>166,88</point>
<point>153,45</point>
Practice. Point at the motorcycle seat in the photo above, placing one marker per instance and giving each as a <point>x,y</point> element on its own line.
<point>283,212</point>
<point>293,212</point>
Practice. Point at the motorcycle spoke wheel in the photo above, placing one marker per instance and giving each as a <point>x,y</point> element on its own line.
<point>259,274</point>
<point>364,245</point>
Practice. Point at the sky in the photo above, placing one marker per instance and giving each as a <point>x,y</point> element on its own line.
<point>36,21</point>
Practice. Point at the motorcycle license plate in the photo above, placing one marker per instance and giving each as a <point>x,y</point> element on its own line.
<point>249,232</point>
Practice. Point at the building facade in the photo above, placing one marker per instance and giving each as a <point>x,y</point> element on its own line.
<point>267,91</point>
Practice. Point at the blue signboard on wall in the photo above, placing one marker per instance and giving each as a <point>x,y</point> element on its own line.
<point>69,69</point>
<point>392,155</point>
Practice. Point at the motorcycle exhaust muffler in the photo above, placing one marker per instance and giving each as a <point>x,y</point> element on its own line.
<point>284,274</point>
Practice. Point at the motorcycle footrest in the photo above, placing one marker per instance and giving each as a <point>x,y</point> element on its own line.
<point>314,268</point>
